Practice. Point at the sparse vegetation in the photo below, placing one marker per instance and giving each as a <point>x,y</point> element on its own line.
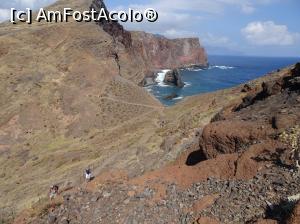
<point>292,138</point>
<point>7,215</point>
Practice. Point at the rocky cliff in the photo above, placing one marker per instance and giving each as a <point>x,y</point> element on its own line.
<point>151,52</point>
<point>160,52</point>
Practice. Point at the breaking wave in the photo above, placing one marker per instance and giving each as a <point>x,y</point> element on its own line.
<point>223,67</point>
<point>194,69</point>
<point>178,98</point>
<point>160,78</point>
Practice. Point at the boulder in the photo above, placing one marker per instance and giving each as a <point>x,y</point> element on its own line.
<point>171,96</point>
<point>223,137</point>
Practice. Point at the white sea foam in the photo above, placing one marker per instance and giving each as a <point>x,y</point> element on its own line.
<point>160,77</point>
<point>194,69</point>
<point>178,98</point>
<point>187,84</point>
<point>223,67</point>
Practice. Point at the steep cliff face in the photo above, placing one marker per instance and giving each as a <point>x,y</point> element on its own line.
<point>149,51</point>
<point>161,52</point>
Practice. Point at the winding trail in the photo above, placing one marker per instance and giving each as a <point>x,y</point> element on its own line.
<point>134,104</point>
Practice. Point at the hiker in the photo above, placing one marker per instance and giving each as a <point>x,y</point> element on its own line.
<point>88,175</point>
<point>53,192</point>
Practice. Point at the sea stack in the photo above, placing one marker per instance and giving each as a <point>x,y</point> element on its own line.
<point>173,77</point>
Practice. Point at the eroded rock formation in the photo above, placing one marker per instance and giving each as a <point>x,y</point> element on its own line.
<point>173,77</point>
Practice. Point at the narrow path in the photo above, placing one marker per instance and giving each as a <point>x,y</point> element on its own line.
<point>135,104</point>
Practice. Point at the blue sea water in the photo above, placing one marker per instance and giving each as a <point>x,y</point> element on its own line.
<point>223,72</point>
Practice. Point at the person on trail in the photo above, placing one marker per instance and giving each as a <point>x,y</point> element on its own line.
<point>53,192</point>
<point>88,175</point>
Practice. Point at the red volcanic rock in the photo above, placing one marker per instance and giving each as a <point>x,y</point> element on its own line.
<point>229,137</point>
<point>160,52</point>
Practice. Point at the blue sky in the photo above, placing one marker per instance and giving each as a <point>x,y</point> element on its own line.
<point>246,27</point>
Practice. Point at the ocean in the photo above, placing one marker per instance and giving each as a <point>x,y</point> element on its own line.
<point>223,72</point>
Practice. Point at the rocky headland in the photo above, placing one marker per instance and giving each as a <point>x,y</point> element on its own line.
<point>163,53</point>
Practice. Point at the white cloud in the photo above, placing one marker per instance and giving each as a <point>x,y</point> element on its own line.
<point>269,33</point>
<point>181,18</point>
<point>214,40</point>
<point>173,33</point>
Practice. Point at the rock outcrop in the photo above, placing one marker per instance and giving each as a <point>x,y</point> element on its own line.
<point>162,53</point>
<point>113,28</point>
<point>173,77</point>
<point>258,127</point>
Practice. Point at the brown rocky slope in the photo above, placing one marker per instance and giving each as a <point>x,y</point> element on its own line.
<point>239,169</point>
<point>69,99</point>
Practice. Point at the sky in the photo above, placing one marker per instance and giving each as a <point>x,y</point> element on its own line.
<point>227,27</point>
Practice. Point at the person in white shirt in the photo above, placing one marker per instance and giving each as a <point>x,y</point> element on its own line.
<point>88,175</point>
<point>53,192</point>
